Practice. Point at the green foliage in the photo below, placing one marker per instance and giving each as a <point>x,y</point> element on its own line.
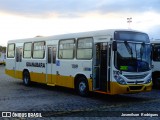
<point>2,49</point>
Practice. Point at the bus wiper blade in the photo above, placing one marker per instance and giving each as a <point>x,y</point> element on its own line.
<point>128,48</point>
<point>142,50</point>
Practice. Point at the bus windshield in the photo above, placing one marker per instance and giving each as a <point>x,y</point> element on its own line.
<point>133,57</point>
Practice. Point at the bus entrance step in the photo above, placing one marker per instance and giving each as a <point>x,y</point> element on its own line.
<point>51,84</point>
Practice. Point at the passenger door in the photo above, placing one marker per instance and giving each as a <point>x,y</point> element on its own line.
<point>18,57</point>
<point>101,67</point>
<point>51,65</point>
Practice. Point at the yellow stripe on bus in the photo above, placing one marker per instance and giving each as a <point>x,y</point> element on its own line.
<point>66,81</point>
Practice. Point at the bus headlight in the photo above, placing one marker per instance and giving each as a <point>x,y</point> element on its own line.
<point>119,79</point>
<point>149,79</point>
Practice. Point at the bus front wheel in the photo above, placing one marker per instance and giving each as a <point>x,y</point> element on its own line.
<point>82,87</point>
<point>156,83</point>
<point>26,78</point>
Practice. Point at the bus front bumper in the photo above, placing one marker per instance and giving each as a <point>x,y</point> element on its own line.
<point>129,88</point>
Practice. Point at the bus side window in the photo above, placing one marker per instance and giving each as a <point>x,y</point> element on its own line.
<point>39,50</point>
<point>84,48</point>
<point>156,53</point>
<point>11,50</point>
<point>66,49</point>
<point>27,50</point>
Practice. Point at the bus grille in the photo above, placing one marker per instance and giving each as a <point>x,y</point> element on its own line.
<point>135,87</point>
<point>135,76</point>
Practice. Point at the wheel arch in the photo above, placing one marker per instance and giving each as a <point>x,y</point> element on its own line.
<point>155,79</point>
<point>25,70</point>
<point>155,74</point>
<point>76,78</point>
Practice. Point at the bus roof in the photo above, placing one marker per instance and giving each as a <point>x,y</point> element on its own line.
<point>73,35</point>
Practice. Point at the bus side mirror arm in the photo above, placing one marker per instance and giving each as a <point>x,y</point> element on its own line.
<point>152,66</point>
<point>114,46</point>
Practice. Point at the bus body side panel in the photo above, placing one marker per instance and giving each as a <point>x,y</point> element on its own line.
<point>19,74</point>
<point>38,77</point>
<point>67,70</point>
<point>90,84</point>
<point>36,69</point>
<point>10,68</point>
<point>66,81</point>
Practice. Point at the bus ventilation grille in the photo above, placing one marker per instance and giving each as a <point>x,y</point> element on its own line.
<point>136,76</point>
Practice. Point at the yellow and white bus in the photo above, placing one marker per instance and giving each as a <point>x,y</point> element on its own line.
<point>109,61</point>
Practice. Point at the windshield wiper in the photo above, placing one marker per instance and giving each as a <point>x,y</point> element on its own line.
<point>129,49</point>
<point>142,50</point>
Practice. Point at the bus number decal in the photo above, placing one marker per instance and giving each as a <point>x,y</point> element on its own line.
<point>75,66</point>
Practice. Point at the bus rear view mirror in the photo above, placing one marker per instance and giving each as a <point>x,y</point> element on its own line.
<point>114,46</point>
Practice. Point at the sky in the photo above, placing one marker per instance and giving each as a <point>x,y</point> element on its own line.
<point>29,18</point>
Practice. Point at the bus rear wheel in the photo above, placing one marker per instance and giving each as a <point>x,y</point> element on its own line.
<point>26,78</point>
<point>82,87</point>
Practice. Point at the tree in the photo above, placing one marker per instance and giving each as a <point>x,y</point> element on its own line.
<point>2,49</point>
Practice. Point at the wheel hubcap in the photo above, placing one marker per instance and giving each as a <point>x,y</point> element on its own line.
<point>82,86</point>
<point>25,79</point>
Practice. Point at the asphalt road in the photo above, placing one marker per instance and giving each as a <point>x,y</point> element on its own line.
<point>63,102</point>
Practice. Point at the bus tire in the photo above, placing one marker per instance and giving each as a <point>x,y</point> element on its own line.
<point>156,80</point>
<point>157,83</point>
<point>82,86</point>
<point>26,78</point>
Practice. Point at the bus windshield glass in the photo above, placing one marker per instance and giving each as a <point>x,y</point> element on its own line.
<point>133,57</point>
